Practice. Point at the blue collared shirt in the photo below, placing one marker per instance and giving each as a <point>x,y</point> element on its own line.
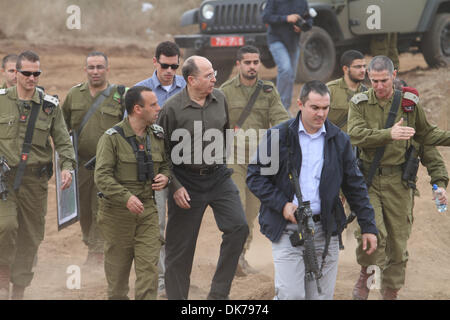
<point>312,162</point>
<point>153,83</point>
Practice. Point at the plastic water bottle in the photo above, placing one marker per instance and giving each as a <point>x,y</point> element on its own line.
<point>440,206</point>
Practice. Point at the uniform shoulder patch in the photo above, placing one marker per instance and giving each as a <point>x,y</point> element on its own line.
<point>157,130</point>
<point>78,85</point>
<point>359,97</point>
<point>51,99</point>
<point>267,88</point>
<point>2,91</point>
<point>111,131</point>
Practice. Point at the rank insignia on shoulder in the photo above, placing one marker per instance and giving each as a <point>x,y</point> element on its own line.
<point>359,97</point>
<point>49,104</point>
<point>410,98</point>
<point>267,88</point>
<point>157,131</point>
<point>2,91</point>
<point>111,131</point>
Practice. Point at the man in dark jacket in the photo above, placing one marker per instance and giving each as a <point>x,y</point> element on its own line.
<point>322,155</point>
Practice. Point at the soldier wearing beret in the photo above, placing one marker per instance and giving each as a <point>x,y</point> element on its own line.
<point>390,195</point>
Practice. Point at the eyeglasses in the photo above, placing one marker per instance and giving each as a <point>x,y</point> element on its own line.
<point>212,75</point>
<point>166,66</point>
<point>29,73</point>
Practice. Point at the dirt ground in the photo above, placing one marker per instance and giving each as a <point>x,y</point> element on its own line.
<point>428,275</point>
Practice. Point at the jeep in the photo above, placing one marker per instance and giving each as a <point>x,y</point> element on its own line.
<point>225,25</point>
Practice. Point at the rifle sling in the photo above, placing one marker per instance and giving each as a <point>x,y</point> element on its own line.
<point>248,108</point>
<point>380,150</point>
<point>26,147</point>
<point>94,107</point>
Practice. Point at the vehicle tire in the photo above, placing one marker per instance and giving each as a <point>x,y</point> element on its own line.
<point>435,44</point>
<point>317,56</point>
<point>223,67</point>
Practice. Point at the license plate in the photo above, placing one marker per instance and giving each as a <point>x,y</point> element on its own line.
<point>232,41</point>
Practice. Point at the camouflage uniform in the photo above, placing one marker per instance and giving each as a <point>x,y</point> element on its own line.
<point>129,236</point>
<point>22,215</point>
<point>266,112</point>
<point>110,112</point>
<point>385,44</point>
<point>391,199</point>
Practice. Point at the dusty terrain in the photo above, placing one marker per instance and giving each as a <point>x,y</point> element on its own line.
<point>428,275</point>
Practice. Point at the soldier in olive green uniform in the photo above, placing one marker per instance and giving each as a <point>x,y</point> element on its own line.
<point>390,196</point>
<point>343,89</point>
<point>267,111</point>
<point>110,110</point>
<point>127,216</point>
<point>22,215</point>
<point>385,44</point>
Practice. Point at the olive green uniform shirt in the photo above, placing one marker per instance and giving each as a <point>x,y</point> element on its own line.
<point>180,112</point>
<point>266,112</point>
<point>3,86</point>
<point>116,173</point>
<point>366,121</point>
<point>49,123</point>
<point>77,103</point>
<point>340,95</point>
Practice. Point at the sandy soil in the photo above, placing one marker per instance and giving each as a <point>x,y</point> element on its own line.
<point>428,276</point>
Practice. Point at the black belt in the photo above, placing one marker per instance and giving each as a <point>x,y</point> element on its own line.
<point>202,171</point>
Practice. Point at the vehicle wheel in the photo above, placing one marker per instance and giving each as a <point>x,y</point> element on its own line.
<point>223,67</point>
<point>435,43</point>
<point>317,56</point>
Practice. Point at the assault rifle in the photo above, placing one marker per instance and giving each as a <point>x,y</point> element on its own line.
<point>305,236</point>
<point>90,165</point>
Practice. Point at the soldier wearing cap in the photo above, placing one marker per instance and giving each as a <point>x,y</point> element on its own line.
<point>265,111</point>
<point>131,165</point>
<point>390,195</point>
<point>28,118</point>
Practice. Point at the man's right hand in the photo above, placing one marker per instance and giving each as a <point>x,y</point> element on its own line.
<point>293,18</point>
<point>182,199</point>
<point>135,205</point>
<point>289,212</point>
<point>399,132</point>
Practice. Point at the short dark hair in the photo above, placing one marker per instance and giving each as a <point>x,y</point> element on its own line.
<point>167,48</point>
<point>9,58</point>
<point>246,49</point>
<point>26,55</point>
<point>97,54</point>
<point>313,86</point>
<point>134,97</point>
<point>349,56</point>
<point>381,63</point>
<point>189,68</point>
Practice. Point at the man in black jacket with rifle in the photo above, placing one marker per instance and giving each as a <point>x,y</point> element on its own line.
<point>310,160</point>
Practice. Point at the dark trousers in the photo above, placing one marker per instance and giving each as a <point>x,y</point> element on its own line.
<point>218,191</point>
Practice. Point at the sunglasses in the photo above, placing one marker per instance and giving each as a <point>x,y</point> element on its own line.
<point>29,73</point>
<point>166,66</point>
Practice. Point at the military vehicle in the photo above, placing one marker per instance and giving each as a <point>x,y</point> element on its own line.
<point>225,25</point>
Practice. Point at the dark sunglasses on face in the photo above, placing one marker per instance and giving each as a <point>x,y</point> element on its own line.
<point>166,66</point>
<point>29,73</point>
